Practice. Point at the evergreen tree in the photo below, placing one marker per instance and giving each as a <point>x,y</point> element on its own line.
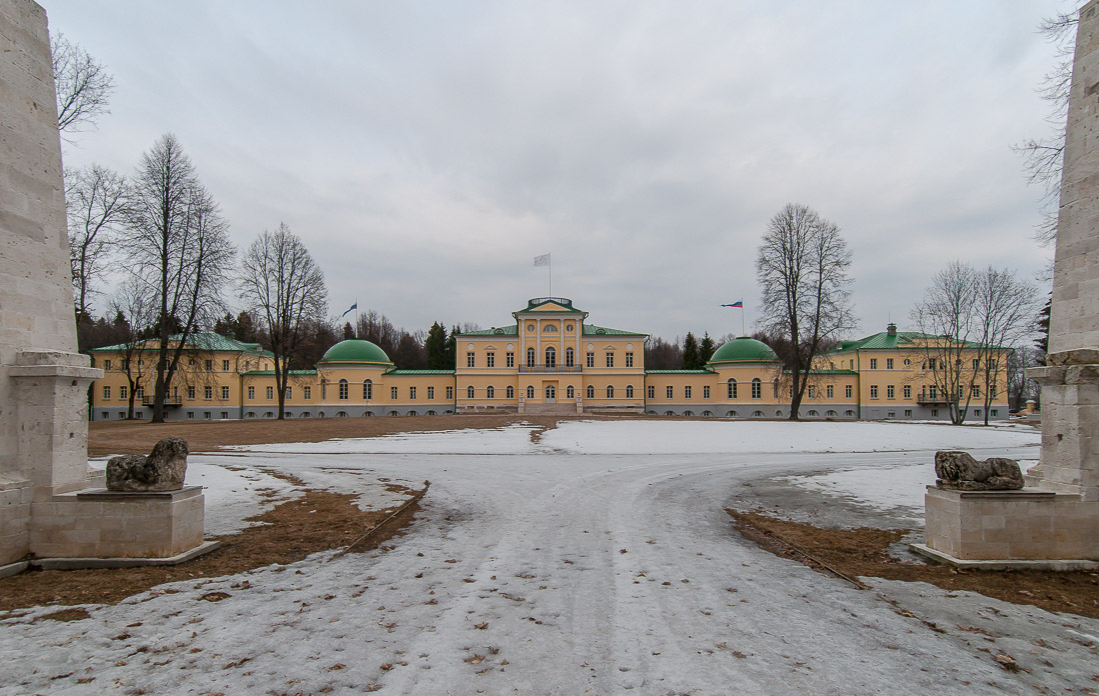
<point>691,357</point>
<point>706,349</point>
<point>452,348</point>
<point>1043,330</point>
<point>436,347</point>
<point>348,332</point>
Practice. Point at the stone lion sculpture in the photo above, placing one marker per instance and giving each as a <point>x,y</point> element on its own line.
<point>959,471</point>
<point>163,469</point>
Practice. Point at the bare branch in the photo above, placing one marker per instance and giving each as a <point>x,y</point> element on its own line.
<point>84,86</point>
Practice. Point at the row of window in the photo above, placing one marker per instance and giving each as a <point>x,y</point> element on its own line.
<point>550,356</point>
<point>931,392</point>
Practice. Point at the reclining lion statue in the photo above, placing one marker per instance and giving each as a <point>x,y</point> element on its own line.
<point>959,471</point>
<point>164,469</point>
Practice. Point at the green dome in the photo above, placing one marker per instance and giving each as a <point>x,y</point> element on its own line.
<point>356,350</point>
<point>743,349</point>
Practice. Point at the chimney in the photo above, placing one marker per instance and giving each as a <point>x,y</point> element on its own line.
<point>891,330</point>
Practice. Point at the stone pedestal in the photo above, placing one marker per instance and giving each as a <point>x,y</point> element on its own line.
<point>110,524</point>
<point>1004,525</point>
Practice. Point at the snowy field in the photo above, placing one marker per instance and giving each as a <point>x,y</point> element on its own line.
<point>591,559</point>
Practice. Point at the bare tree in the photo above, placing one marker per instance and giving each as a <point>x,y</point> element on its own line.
<point>1004,310</point>
<point>802,269</point>
<point>178,244</point>
<point>84,86</point>
<point>285,288</point>
<point>135,301</point>
<point>947,319</point>
<point>96,203</point>
<point>1045,156</point>
<point>970,319</point>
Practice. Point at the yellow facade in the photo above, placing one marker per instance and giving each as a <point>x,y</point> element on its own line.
<point>548,360</point>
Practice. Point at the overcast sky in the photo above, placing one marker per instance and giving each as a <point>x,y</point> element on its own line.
<point>426,151</point>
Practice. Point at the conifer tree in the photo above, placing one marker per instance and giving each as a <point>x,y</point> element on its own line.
<point>691,357</point>
<point>706,349</point>
<point>436,347</point>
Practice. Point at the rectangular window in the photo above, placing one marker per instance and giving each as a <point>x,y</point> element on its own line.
<point>992,365</point>
<point>670,392</point>
<point>412,393</point>
<point>430,393</point>
<point>107,365</point>
<point>705,392</point>
<point>652,392</point>
<point>934,413</point>
<point>190,393</point>
<point>976,391</point>
<point>847,391</point>
<point>393,393</point>
<point>933,391</point>
<point>191,414</point>
<point>931,363</point>
<point>907,413</point>
<point>629,359</point>
<point>995,412</point>
<point>225,393</point>
<point>289,393</point>
<point>270,391</point>
<point>873,391</point>
<point>449,393</point>
<point>686,392</point>
<point>591,360</point>
<point>889,392</point>
<point>469,360</point>
<point>830,391</point>
<point>908,391</point>
<point>209,368</point>
<point>610,359</point>
<point>873,363</point>
<point>206,415</point>
<point>992,391</point>
<point>976,364</point>
<point>122,393</point>
<point>106,393</point>
<point>511,359</point>
<point>308,393</point>
<point>224,415</point>
<point>224,365</point>
<point>490,359</point>
<point>207,393</point>
<point>812,391</point>
<point>891,414</point>
<point>251,393</point>
<point>889,363</point>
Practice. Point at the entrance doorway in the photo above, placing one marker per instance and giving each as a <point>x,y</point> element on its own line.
<point>551,394</point>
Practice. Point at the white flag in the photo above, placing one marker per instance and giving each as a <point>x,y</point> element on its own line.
<point>543,260</point>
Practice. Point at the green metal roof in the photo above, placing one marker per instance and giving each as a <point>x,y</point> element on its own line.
<point>356,350</point>
<point>743,349</point>
<point>900,340</point>
<point>563,302</point>
<point>830,372</point>
<point>679,372</point>
<point>512,330</point>
<point>271,373</point>
<point>593,330</point>
<point>202,341</point>
<point>419,372</point>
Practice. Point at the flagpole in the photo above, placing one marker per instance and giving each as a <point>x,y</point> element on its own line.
<point>742,332</point>
<point>549,270</point>
<point>356,316</point>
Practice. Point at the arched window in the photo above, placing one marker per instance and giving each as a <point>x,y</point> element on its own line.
<point>343,390</point>
<point>813,414</point>
<point>731,389</point>
<point>324,390</point>
<point>757,389</point>
<point>530,357</point>
<point>551,393</point>
<point>551,357</point>
<point>530,392</point>
<point>570,392</point>
<point>490,392</point>
<point>591,392</point>
<point>610,392</point>
<point>629,391</point>
<point>470,392</point>
<point>511,392</point>
<point>368,390</point>
<point>549,328</point>
<point>570,357</point>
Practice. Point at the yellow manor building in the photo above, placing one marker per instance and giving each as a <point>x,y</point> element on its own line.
<point>548,361</point>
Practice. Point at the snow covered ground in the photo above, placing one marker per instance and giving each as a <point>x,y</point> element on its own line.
<point>591,559</point>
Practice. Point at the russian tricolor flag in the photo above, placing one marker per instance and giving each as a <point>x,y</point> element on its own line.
<point>738,303</point>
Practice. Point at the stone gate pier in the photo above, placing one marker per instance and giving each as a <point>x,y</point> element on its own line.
<point>1054,520</point>
<point>45,481</point>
